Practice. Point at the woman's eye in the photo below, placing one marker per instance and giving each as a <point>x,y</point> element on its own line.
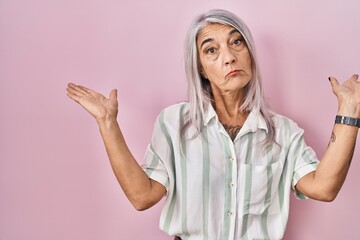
<point>237,42</point>
<point>210,50</point>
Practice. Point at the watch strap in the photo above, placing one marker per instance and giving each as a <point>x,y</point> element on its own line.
<point>347,120</point>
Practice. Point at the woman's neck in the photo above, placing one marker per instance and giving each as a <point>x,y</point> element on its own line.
<point>227,106</point>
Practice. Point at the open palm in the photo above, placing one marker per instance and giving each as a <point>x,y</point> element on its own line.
<point>95,103</point>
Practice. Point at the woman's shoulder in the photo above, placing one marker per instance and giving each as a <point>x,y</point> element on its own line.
<point>283,122</point>
<point>174,115</point>
<point>176,108</point>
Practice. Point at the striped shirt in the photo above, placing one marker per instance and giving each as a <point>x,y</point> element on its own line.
<point>223,189</point>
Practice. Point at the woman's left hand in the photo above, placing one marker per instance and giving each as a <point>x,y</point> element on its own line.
<point>348,95</point>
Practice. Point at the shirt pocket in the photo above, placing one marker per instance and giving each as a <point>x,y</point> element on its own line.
<point>259,188</point>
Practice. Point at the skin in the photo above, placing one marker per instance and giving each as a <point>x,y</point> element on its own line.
<point>221,51</point>
<point>325,183</point>
<point>139,189</point>
<point>225,61</point>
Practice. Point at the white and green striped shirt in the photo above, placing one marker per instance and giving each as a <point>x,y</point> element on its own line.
<point>220,189</point>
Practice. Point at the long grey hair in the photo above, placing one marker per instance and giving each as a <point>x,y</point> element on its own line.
<point>200,94</point>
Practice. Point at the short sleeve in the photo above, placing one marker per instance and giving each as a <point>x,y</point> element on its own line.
<point>158,154</point>
<point>304,159</point>
<point>154,167</point>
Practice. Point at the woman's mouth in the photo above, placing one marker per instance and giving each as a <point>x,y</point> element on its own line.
<point>232,73</point>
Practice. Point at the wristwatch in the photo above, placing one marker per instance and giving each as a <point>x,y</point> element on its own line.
<point>348,121</point>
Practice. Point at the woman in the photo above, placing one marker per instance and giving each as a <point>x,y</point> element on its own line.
<point>225,162</point>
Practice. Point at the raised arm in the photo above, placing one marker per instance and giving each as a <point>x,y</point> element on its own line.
<point>325,183</point>
<point>139,189</point>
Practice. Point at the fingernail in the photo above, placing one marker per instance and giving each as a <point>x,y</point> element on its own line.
<point>356,76</point>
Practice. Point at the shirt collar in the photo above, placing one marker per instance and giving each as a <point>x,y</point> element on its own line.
<point>254,121</point>
<point>209,114</point>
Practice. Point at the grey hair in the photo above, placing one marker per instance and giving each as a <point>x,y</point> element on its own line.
<point>199,90</point>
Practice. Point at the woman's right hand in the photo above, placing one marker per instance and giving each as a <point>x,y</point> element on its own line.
<point>140,190</point>
<point>100,107</point>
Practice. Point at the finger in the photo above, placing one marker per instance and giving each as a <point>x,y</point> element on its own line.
<point>352,81</point>
<point>335,86</point>
<point>90,91</point>
<point>75,91</point>
<point>72,85</point>
<point>113,94</point>
<point>85,88</point>
<point>77,88</point>
<point>355,77</point>
<point>334,82</point>
<point>73,97</point>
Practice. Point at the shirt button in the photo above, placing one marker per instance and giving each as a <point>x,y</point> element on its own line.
<point>229,213</point>
<point>231,158</point>
<point>231,184</point>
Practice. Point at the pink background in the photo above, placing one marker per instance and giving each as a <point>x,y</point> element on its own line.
<point>55,179</point>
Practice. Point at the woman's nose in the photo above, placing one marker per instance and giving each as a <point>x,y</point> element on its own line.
<point>229,57</point>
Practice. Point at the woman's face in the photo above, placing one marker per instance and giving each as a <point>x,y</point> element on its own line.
<point>224,58</point>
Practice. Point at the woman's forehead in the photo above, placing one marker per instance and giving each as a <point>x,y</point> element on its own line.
<point>211,30</point>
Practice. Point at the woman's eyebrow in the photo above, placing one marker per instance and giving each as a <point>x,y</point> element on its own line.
<point>205,41</point>
<point>234,31</point>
